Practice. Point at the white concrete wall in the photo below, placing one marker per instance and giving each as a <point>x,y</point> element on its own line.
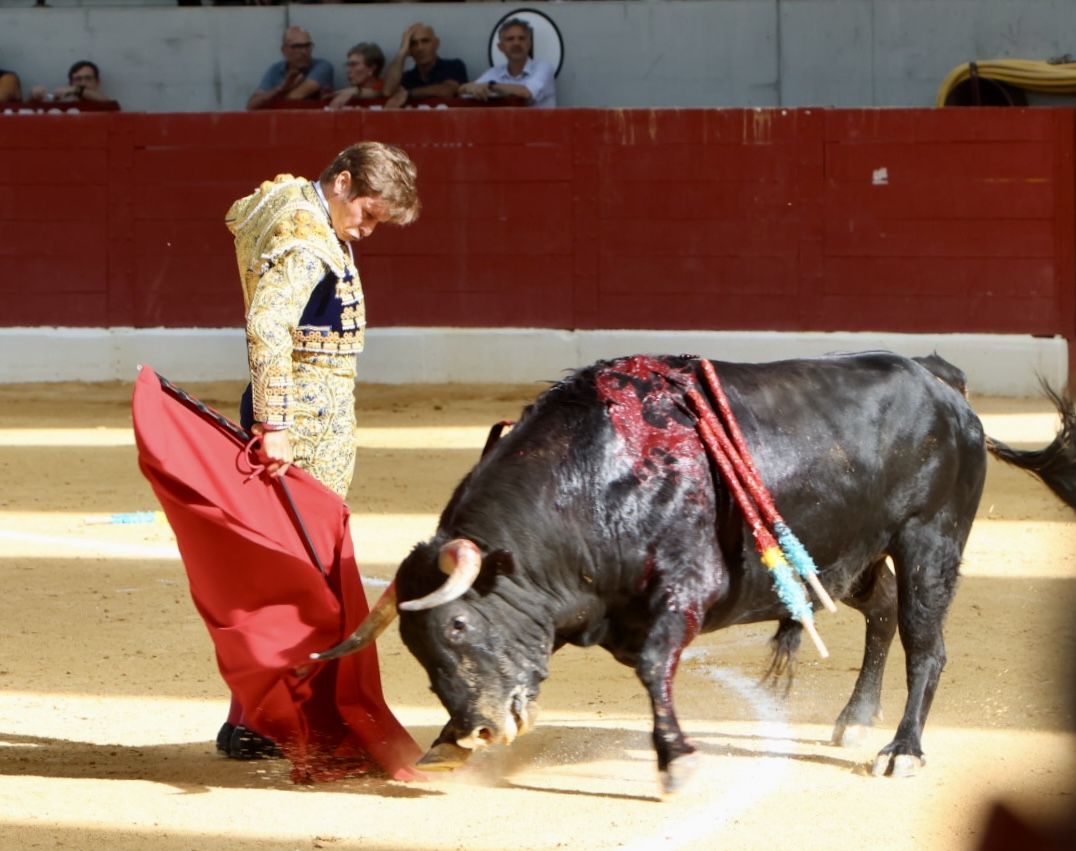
<point>1003,365</point>
<point>685,53</point>
<point>850,53</point>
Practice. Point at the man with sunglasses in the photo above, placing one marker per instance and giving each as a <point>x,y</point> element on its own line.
<point>298,76</point>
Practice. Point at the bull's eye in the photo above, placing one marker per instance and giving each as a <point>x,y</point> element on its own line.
<point>457,627</point>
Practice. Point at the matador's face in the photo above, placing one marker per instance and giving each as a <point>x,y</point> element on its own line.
<point>353,218</point>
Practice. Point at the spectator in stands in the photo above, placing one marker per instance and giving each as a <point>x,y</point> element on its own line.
<point>298,76</point>
<point>10,86</point>
<point>364,63</point>
<point>431,75</point>
<point>522,76</point>
<point>83,83</point>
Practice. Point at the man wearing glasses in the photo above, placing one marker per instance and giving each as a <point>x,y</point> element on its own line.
<point>83,83</point>
<point>298,76</point>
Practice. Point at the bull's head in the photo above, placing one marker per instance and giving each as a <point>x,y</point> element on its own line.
<point>485,657</point>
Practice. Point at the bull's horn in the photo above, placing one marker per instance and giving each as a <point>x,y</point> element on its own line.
<point>376,622</point>
<point>446,756</point>
<point>461,560</point>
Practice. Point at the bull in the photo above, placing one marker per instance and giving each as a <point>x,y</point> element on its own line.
<point>599,520</point>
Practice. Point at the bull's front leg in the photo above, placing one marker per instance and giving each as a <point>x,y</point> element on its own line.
<point>656,668</point>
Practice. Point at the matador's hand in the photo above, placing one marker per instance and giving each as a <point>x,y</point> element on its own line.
<point>274,451</point>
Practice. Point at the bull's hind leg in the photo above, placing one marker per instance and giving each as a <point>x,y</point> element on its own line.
<point>875,596</point>
<point>927,563</point>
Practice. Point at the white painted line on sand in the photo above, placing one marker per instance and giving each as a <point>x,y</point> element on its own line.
<point>756,780</point>
<point>117,549</point>
<point>93,548</point>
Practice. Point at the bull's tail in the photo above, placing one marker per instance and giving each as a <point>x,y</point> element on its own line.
<point>785,643</point>
<point>1054,464</point>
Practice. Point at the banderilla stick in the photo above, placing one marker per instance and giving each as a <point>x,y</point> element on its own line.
<point>788,589</point>
<point>741,457</point>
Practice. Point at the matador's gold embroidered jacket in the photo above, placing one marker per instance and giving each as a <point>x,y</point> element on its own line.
<point>305,323</point>
<point>285,247</point>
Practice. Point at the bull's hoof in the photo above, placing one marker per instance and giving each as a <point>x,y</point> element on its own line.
<point>901,765</point>
<point>849,736</point>
<point>447,756</point>
<point>680,770</point>
<point>852,726</point>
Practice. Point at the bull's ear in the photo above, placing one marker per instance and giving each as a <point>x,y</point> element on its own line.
<point>497,563</point>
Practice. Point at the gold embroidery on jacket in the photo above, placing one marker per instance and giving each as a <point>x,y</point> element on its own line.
<point>302,377</point>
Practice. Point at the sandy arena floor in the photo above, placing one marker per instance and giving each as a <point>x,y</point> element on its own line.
<point>109,696</point>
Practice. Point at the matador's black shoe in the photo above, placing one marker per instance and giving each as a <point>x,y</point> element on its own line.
<point>239,742</point>
<point>224,737</point>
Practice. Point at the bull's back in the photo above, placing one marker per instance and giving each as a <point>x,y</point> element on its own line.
<point>873,423</point>
<point>606,466</point>
<point>855,447</point>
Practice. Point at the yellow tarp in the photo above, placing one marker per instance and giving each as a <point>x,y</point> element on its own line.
<point>1030,74</point>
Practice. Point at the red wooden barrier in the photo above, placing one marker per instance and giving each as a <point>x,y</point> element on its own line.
<point>826,220</point>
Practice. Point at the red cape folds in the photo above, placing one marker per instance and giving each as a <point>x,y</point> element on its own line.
<point>265,603</point>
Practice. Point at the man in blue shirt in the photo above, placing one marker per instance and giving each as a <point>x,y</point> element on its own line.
<point>298,76</point>
<point>520,76</point>
<point>431,77</point>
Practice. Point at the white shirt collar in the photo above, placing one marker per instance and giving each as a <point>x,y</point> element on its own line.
<point>325,203</point>
<point>321,194</point>
<point>524,73</point>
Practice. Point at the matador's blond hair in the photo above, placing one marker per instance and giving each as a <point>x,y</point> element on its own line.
<point>380,171</point>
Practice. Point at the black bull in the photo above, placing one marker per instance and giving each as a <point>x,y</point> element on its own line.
<point>598,519</point>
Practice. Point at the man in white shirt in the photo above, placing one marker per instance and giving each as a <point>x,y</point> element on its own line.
<point>530,79</point>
